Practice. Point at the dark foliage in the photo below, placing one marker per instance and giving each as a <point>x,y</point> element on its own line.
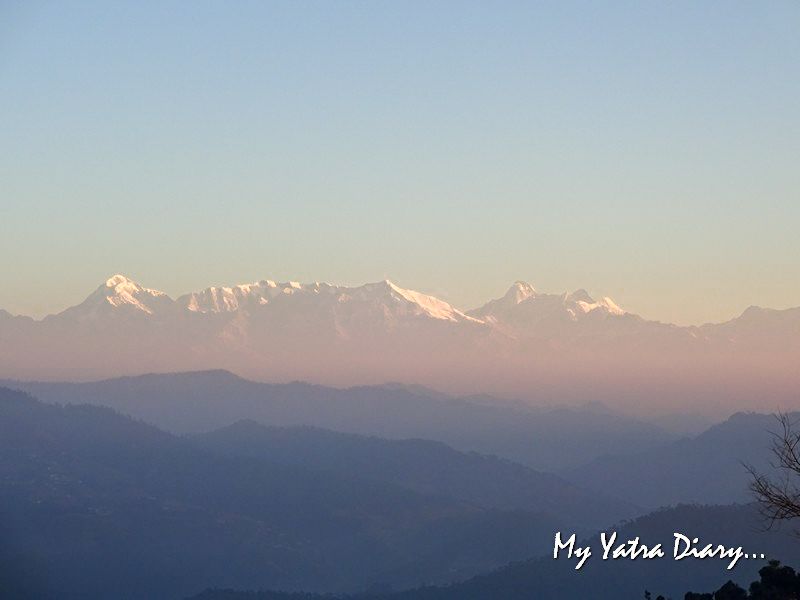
<point>776,582</point>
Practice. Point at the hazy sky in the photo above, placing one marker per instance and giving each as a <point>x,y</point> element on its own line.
<point>649,151</point>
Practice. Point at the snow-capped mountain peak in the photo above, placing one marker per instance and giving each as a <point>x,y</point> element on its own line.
<point>430,305</point>
<point>119,293</point>
<point>247,295</point>
<point>119,280</point>
<point>251,296</point>
<point>520,291</point>
<point>582,300</point>
<point>217,299</point>
<point>523,308</point>
<point>420,304</point>
<point>580,295</point>
<point>605,303</point>
<point>123,291</point>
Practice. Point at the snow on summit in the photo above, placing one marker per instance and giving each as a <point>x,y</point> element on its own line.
<point>347,335</point>
<point>380,330</point>
<point>251,295</point>
<point>519,292</point>
<point>120,293</point>
<point>521,305</point>
<point>229,299</point>
<point>433,307</point>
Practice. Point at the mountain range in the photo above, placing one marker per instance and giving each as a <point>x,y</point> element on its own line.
<point>593,448</point>
<point>282,505</point>
<point>528,344</point>
<point>98,505</point>
<point>189,403</point>
<point>709,468</point>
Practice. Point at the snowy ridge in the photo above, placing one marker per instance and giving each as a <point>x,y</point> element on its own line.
<point>523,306</point>
<point>604,303</point>
<point>121,292</point>
<point>249,295</point>
<point>433,307</point>
<point>520,304</point>
<point>229,299</point>
<point>519,292</point>
<point>380,330</point>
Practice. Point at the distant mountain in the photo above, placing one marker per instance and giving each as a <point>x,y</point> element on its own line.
<point>621,579</point>
<point>545,439</point>
<point>549,348</point>
<point>426,467</point>
<point>683,424</point>
<point>525,312</point>
<point>387,297</point>
<point>706,469</point>
<point>119,297</point>
<point>95,505</point>
<point>761,328</point>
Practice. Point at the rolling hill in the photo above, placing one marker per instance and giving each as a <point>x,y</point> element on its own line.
<point>545,439</point>
<point>82,486</point>
<point>708,468</point>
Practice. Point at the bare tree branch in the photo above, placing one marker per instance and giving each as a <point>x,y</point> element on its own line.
<point>779,498</point>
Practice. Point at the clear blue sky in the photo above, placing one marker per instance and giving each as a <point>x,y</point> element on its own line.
<point>649,151</point>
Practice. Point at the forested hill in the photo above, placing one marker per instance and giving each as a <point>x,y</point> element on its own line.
<point>546,579</point>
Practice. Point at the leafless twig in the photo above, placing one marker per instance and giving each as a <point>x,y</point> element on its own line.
<point>779,498</point>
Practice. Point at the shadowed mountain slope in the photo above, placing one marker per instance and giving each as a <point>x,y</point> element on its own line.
<point>545,439</point>
<point>82,486</point>
<point>426,467</point>
<point>709,468</point>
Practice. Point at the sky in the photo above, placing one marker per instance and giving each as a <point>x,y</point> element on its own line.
<point>647,151</point>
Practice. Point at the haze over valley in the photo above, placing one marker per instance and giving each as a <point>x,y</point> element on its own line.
<point>539,348</point>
